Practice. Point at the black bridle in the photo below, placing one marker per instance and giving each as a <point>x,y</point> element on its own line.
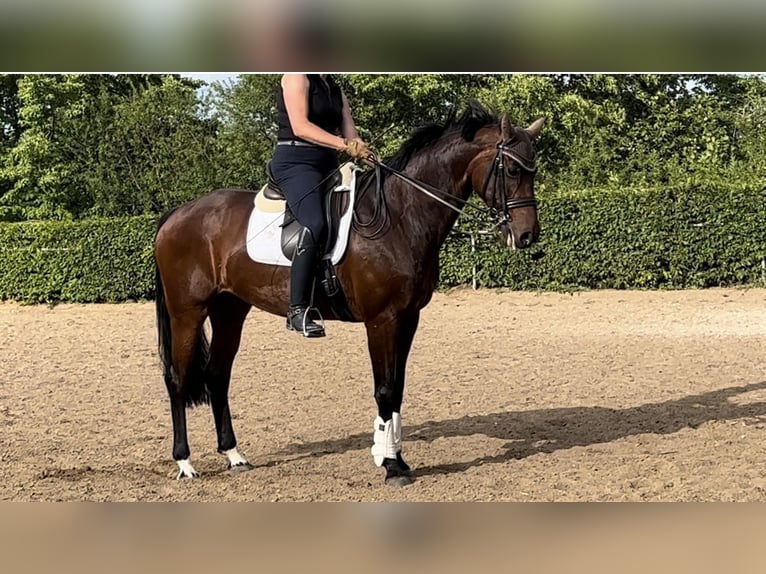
<point>507,149</point>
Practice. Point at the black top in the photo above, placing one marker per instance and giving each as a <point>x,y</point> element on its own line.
<point>325,108</point>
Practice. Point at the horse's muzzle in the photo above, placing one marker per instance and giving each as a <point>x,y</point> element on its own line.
<point>522,241</point>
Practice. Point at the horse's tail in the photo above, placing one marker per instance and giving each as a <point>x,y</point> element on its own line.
<point>196,391</point>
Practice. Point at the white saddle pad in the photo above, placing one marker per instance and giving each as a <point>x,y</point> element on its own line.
<point>264,231</point>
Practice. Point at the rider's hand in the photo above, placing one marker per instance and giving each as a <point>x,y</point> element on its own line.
<point>357,149</point>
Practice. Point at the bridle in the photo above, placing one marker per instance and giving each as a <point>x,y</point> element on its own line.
<point>507,149</point>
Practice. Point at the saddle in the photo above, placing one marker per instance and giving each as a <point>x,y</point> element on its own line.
<point>336,197</point>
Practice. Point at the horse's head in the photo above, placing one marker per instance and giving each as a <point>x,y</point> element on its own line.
<point>504,178</point>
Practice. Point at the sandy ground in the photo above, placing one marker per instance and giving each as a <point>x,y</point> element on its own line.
<point>510,396</point>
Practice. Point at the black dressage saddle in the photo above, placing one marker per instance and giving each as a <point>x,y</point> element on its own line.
<point>335,205</point>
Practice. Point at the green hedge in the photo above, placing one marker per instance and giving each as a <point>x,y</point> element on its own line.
<point>95,260</point>
<point>664,238</point>
<point>660,238</point>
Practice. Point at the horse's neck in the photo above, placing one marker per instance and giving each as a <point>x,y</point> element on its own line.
<point>449,176</point>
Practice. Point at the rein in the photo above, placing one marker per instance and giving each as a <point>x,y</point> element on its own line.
<point>505,149</point>
<point>434,193</point>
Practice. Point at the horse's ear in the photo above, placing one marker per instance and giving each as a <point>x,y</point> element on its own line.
<point>505,128</point>
<point>534,130</point>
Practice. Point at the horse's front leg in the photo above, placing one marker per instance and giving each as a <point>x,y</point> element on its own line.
<point>389,339</point>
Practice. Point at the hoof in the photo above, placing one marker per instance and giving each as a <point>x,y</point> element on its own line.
<point>240,467</point>
<point>183,475</point>
<point>186,470</point>
<point>397,472</point>
<point>399,481</point>
<point>186,474</point>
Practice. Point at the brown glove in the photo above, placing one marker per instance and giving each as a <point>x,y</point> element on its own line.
<point>357,149</point>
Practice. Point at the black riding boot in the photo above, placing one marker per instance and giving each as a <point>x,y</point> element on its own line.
<point>302,276</point>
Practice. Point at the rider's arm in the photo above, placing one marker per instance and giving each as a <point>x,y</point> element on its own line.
<point>349,127</point>
<point>295,88</point>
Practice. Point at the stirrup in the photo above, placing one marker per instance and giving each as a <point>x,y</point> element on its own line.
<point>308,327</point>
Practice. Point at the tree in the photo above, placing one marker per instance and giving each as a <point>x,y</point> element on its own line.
<point>106,145</point>
<point>158,150</point>
<point>42,178</point>
<point>247,116</point>
<point>72,146</point>
<point>10,124</point>
<point>388,107</point>
<point>10,130</point>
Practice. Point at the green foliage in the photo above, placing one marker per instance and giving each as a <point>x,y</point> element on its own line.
<point>247,114</point>
<point>10,124</point>
<point>691,237</point>
<point>78,146</point>
<point>95,260</point>
<point>42,177</point>
<point>106,145</point>
<point>153,151</point>
<point>387,108</point>
<point>673,166</point>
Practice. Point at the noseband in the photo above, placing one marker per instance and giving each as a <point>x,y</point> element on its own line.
<point>508,149</point>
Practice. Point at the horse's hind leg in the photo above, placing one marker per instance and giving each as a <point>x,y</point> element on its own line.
<point>227,316</point>
<point>186,382</point>
<point>389,340</point>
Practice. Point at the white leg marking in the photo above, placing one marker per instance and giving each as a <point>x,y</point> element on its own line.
<point>386,438</point>
<point>186,470</point>
<point>235,459</point>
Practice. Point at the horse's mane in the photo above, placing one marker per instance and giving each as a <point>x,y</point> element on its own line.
<point>470,121</point>
<point>473,118</point>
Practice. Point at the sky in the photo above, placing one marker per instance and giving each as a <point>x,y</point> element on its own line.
<point>212,77</point>
<point>208,78</point>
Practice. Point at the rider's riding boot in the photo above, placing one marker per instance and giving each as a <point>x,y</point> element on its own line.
<point>302,286</point>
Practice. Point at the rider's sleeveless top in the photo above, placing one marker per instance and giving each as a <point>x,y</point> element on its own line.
<point>325,108</point>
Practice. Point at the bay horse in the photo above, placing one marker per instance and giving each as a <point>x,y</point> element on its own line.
<point>389,276</point>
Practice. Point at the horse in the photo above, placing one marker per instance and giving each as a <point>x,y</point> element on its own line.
<point>388,276</point>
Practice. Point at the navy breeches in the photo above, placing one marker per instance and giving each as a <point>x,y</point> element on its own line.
<point>300,172</point>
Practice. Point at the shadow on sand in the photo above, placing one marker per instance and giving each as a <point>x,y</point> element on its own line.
<point>548,430</point>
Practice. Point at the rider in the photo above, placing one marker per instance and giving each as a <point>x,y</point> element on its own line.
<point>315,123</point>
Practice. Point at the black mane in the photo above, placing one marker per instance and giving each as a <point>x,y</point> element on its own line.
<point>473,118</point>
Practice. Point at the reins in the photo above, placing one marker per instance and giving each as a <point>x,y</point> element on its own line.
<point>434,193</point>
<point>376,225</point>
<point>505,149</point>
<point>381,208</point>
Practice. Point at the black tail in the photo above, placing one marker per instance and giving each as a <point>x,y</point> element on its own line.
<point>196,391</point>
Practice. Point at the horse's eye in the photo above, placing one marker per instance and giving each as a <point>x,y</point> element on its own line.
<point>512,171</point>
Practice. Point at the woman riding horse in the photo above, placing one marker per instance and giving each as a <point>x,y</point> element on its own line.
<point>315,123</point>
<point>402,216</point>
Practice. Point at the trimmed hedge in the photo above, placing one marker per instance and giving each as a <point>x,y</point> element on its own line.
<point>629,239</point>
<point>662,238</point>
<point>94,260</point>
